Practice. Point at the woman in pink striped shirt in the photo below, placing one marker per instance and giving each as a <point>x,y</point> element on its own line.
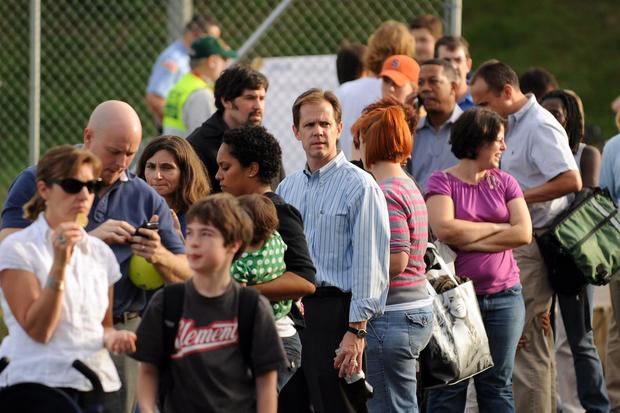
<point>396,338</point>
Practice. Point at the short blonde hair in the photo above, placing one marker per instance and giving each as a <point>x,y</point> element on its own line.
<point>390,38</point>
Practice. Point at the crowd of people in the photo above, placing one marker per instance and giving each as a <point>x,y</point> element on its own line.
<point>306,292</point>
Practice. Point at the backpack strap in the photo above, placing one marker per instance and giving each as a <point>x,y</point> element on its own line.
<point>248,301</point>
<point>174,295</point>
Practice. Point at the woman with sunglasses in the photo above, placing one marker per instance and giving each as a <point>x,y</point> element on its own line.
<point>170,165</point>
<point>56,286</point>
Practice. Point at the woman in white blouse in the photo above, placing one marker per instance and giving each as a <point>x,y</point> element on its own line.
<point>56,285</point>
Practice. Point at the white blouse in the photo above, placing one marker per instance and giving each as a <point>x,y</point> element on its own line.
<point>79,334</point>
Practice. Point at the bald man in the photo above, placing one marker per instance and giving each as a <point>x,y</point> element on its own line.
<point>113,134</point>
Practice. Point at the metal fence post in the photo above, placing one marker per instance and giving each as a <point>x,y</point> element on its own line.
<point>263,28</point>
<point>179,13</point>
<point>34,123</point>
<point>453,11</point>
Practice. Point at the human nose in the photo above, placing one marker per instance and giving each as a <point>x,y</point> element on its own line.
<point>218,174</point>
<point>122,161</point>
<point>423,87</point>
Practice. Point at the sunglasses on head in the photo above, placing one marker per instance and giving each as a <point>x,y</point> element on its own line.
<point>74,186</point>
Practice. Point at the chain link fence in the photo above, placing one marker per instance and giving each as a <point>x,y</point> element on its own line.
<point>96,50</point>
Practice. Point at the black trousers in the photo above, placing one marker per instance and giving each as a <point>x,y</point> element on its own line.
<point>92,402</point>
<point>316,386</point>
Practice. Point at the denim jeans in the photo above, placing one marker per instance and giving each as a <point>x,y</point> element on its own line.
<point>292,348</point>
<point>577,313</point>
<point>394,343</point>
<point>503,315</point>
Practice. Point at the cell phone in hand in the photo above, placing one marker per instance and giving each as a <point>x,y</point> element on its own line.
<point>148,225</point>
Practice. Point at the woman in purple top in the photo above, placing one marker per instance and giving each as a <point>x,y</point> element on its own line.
<point>480,212</point>
<point>396,338</point>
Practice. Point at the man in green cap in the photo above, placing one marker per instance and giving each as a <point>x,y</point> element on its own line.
<point>191,102</point>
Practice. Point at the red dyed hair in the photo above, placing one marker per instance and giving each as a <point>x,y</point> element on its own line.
<point>386,133</point>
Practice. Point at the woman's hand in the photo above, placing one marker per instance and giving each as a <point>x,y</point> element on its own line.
<point>119,341</point>
<point>64,237</point>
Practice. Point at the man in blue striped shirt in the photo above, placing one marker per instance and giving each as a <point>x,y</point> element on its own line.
<point>347,226</point>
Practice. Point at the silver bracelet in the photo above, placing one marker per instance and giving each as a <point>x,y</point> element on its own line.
<point>54,284</point>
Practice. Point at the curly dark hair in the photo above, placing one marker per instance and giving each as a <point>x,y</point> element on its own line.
<point>474,129</point>
<point>254,144</point>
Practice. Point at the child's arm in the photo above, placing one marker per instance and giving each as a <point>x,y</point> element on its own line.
<point>266,394</point>
<point>147,387</point>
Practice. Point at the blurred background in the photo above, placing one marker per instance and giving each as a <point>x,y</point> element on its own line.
<point>96,50</point>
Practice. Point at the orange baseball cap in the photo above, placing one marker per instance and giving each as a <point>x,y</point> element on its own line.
<point>401,69</point>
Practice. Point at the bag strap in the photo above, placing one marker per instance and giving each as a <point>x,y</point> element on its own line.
<point>173,298</point>
<point>248,301</point>
<point>174,295</point>
<point>442,263</point>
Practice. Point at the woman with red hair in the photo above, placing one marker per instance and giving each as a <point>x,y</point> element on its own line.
<point>384,136</point>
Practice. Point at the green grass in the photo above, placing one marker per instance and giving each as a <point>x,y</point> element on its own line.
<point>578,41</point>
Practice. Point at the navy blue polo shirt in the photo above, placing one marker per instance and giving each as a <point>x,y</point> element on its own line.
<point>130,200</point>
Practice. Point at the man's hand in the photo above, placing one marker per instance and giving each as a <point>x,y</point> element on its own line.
<point>349,358</point>
<point>114,232</point>
<point>545,323</point>
<point>147,244</point>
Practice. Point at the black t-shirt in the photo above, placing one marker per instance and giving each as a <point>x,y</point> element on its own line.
<point>208,369</point>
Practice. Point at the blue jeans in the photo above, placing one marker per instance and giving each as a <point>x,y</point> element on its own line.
<point>292,348</point>
<point>577,314</point>
<point>394,343</point>
<point>503,315</point>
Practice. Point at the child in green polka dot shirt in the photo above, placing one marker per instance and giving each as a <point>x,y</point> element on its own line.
<point>263,259</point>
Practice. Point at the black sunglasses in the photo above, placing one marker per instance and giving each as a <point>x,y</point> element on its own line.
<point>74,186</point>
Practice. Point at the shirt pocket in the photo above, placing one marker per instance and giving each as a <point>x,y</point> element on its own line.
<point>333,235</point>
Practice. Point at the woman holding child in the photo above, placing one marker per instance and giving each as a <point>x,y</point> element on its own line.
<point>249,161</point>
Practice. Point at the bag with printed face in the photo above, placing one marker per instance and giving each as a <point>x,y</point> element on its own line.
<point>458,348</point>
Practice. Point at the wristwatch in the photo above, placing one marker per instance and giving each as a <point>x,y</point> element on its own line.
<point>358,332</point>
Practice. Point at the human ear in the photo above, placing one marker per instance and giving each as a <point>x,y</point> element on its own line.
<point>253,169</point>
<point>296,133</point>
<point>43,190</point>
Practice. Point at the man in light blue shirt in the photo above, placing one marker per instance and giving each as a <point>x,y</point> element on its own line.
<point>173,63</point>
<point>432,150</point>
<point>347,226</point>
<point>610,168</point>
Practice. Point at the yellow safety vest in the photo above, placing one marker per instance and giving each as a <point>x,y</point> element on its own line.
<point>173,111</point>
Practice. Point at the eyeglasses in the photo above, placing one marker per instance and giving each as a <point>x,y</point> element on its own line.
<point>74,186</point>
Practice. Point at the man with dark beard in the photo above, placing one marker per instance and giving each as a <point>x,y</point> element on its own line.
<point>240,101</point>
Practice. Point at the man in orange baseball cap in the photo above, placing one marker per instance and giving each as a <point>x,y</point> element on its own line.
<point>400,78</point>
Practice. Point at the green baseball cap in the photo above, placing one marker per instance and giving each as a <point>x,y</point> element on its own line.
<point>206,46</point>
